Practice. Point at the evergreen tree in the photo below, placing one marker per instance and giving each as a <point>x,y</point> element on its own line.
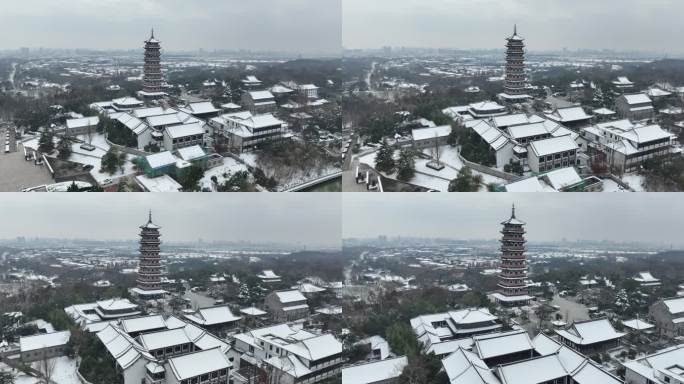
<point>64,147</point>
<point>406,165</point>
<point>73,187</point>
<point>384,159</point>
<point>465,181</point>
<point>45,143</point>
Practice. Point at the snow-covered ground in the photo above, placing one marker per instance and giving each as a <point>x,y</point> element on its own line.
<point>94,158</point>
<point>230,166</point>
<point>635,181</point>
<point>433,179</point>
<point>64,371</point>
<point>611,186</point>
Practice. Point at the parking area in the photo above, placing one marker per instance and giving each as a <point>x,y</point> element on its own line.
<point>17,173</point>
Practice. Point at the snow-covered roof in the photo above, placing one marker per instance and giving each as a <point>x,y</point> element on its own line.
<point>590,332</point>
<point>309,288</point>
<point>280,89</point>
<point>472,316</point>
<point>143,323</point>
<point>143,113</point>
<point>290,296</point>
<point>646,277</point>
<point>465,367</point>
<point>191,153</point>
<point>213,315</point>
<point>501,344</point>
<point>178,131</point>
<point>268,274</point>
<point>568,115</point>
<point>533,371</point>
<point>260,95</point>
<point>553,145</point>
<point>603,111</point>
<point>163,339</point>
<point>127,102</point>
<point>161,159</point>
<point>491,135</point>
<point>675,305</point>
<point>48,340</point>
<point>252,311</point>
<point>201,108</point>
<point>163,183</point>
<point>637,98</point>
<point>198,363</point>
<point>487,106</point>
<point>657,92</point>
<point>124,349</point>
<point>515,119</point>
<point>653,366</point>
<point>83,122</point>
<point>431,133</point>
<point>563,177</point>
<point>637,324</point>
<point>116,304</point>
<point>530,184</point>
<point>374,372</point>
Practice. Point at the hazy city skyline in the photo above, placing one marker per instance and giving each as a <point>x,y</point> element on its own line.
<point>548,25</point>
<point>314,221</point>
<point>549,217</point>
<point>256,25</point>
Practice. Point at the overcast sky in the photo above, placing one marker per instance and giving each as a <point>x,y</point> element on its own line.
<point>312,220</point>
<point>620,217</point>
<point>285,25</point>
<point>653,25</point>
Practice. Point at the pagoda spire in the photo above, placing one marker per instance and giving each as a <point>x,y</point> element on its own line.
<point>513,212</point>
<point>152,36</point>
<point>515,30</point>
<point>149,221</point>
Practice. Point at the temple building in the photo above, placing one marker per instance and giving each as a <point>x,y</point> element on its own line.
<point>149,281</point>
<point>152,73</point>
<point>515,86</point>
<point>512,287</point>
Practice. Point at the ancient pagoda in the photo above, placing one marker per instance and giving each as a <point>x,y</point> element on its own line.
<point>152,73</point>
<point>150,270</point>
<point>512,287</point>
<point>515,85</point>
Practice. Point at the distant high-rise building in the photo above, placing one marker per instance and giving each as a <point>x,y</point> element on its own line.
<point>150,270</point>
<point>512,279</point>
<point>515,86</point>
<point>152,73</point>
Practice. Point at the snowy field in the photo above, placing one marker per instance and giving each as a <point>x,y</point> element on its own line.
<point>611,186</point>
<point>635,181</point>
<point>438,180</point>
<point>64,372</point>
<point>230,166</point>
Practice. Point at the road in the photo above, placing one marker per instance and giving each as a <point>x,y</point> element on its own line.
<point>369,77</point>
<point>12,74</point>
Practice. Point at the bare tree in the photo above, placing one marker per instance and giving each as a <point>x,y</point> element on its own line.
<point>46,367</point>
